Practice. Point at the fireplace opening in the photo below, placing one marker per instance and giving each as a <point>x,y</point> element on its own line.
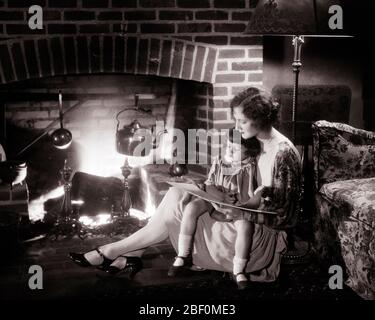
<point>90,105</point>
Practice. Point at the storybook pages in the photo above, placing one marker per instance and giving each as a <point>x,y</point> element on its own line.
<point>194,190</point>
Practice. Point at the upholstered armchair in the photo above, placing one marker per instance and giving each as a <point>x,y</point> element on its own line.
<point>344,183</point>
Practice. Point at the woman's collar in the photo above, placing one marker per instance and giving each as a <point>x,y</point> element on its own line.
<point>267,136</point>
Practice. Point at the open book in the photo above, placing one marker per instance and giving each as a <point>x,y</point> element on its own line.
<point>194,190</point>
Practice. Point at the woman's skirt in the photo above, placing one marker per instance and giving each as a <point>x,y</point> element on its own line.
<point>214,241</point>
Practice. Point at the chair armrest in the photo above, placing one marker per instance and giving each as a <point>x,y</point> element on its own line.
<point>341,152</point>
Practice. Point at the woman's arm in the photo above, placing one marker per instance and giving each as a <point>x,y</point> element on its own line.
<point>283,197</point>
<point>285,191</point>
<point>253,202</point>
<point>233,213</point>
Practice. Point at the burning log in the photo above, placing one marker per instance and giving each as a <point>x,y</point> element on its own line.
<point>104,194</point>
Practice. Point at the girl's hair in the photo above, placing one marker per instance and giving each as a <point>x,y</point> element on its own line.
<point>258,106</point>
<point>251,145</point>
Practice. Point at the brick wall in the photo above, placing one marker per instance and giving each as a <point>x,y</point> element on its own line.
<point>211,21</point>
<point>191,31</point>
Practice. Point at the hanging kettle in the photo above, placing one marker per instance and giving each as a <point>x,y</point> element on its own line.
<point>133,135</point>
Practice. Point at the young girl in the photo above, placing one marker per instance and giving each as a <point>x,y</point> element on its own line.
<point>231,180</point>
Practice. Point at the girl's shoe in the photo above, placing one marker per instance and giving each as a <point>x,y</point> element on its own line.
<point>132,267</point>
<point>242,282</point>
<point>175,271</point>
<point>79,259</point>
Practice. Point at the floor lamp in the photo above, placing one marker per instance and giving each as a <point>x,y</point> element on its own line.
<point>297,19</point>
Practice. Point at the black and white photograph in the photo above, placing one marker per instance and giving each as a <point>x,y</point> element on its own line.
<point>187,158</point>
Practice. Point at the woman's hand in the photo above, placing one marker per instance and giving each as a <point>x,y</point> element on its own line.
<point>218,216</point>
<point>232,213</point>
<point>259,190</point>
<point>229,213</point>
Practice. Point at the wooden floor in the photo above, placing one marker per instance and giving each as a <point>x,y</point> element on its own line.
<point>62,279</point>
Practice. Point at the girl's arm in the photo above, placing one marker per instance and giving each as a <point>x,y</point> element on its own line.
<point>210,187</point>
<point>215,192</point>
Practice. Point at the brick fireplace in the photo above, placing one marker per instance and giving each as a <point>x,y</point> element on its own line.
<point>108,50</point>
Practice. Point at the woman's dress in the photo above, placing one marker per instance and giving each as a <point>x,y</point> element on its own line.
<point>278,167</point>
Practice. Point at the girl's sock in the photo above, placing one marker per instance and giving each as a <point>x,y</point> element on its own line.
<point>239,265</point>
<point>184,247</point>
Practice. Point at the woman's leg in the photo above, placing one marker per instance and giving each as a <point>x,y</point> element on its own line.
<point>154,232</point>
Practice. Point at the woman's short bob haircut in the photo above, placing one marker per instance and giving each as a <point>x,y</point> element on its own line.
<point>257,106</point>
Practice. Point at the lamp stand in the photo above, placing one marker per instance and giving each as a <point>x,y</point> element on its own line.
<point>297,64</point>
<point>296,255</point>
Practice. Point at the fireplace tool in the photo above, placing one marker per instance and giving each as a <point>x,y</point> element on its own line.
<point>61,138</point>
<point>67,223</point>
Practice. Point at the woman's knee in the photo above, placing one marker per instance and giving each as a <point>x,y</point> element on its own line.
<point>174,193</point>
<point>168,205</point>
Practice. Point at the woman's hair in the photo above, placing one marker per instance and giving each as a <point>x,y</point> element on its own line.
<point>251,145</point>
<point>258,106</point>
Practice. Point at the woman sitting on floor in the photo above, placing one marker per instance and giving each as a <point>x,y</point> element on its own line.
<point>278,167</point>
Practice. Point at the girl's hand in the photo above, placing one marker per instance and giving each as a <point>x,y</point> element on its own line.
<point>230,198</point>
<point>201,186</point>
<point>216,206</point>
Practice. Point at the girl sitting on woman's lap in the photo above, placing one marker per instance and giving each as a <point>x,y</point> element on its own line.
<point>230,180</point>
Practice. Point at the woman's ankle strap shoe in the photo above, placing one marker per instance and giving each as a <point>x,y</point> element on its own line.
<point>132,267</point>
<point>79,258</point>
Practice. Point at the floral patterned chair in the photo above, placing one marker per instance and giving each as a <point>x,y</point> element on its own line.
<point>344,226</point>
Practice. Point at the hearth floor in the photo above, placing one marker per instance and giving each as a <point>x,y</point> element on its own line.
<point>62,279</point>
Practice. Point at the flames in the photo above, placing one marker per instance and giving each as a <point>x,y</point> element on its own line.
<point>150,206</point>
<point>167,139</point>
<point>99,220</point>
<point>36,206</point>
